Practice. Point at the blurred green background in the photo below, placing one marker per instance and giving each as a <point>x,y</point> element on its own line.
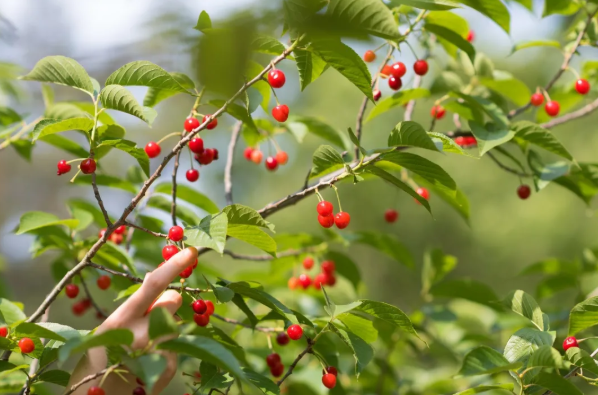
<point>505,234</point>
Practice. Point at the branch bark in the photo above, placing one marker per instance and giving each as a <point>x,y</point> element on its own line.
<point>310,344</point>
<point>174,173</point>
<point>90,378</point>
<point>228,170</point>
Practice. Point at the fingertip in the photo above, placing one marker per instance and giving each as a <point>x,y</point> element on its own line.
<point>192,250</point>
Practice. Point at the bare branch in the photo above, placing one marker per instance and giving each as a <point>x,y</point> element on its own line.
<point>151,232</point>
<point>96,193</point>
<point>310,344</point>
<point>282,254</point>
<point>90,298</point>
<point>228,169</point>
<point>582,112</point>
<point>174,172</point>
<point>90,378</point>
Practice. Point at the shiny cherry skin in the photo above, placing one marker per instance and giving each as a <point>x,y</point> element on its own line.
<point>524,191</point>
<point>152,149</point>
<point>326,221</point>
<point>26,345</point>
<point>276,78</point>
<point>570,342</point>
<point>271,163</point>
<point>247,153</point>
<point>305,281</point>
<point>394,83</point>
<point>377,94</point>
<point>552,108</point>
<point>192,175</point>
<point>176,233</point>
<point>104,282</point>
<point>63,167</point>
<point>196,145</point>
<point>191,124</point>
<point>420,67</point>
<point>199,306</point>
<point>282,339</point>
<point>329,380</point>
<point>71,291</point>
<point>537,99</point>
<point>437,112</point>
<point>398,69</point>
<point>212,124</point>
<point>209,307</point>
<point>169,251</point>
<point>281,157</point>
<point>256,156</point>
<point>328,267</point>
<point>308,263</point>
<point>342,219</point>
<point>95,391</point>
<point>582,86</point>
<point>201,319</point>
<point>369,56</point>
<point>281,112</point>
<point>295,332</point>
<point>391,216</point>
<point>88,166</point>
<point>324,208</point>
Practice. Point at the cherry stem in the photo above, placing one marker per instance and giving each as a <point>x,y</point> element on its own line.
<point>320,198</point>
<point>275,97</point>
<point>168,136</point>
<point>190,156</point>
<point>340,209</point>
<point>412,50</point>
<point>269,341</point>
<point>75,176</point>
<point>546,95</point>
<point>197,101</point>
<point>572,70</point>
<point>380,46</point>
<point>76,160</point>
<point>275,143</point>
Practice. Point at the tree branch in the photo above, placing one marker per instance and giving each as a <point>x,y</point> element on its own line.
<point>228,169</point>
<point>505,167</point>
<point>310,344</point>
<point>151,232</point>
<point>582,112</point>
<point>93,303</point>
<point>90,378</point>
<point>282,254</point>
<point>96,193</point>
<point>174,172</point>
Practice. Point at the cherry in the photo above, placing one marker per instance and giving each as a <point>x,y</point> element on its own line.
<point>582,86</point>
<point>386,71</point>
<point>537,99</point>
<point>324,208</point>
<point>369,56</point>
<point>120,230</point>
<point>326,221</point>
<point>377,94</point>
<point>282,339</point>
<point>176,233</point>
<point>398,69</point>
<point>281,157</point>
<point>212,124</point>
<point>460,141</point>
<point>273,359</point>
<point>331,280</point>
<point>86,303</point>
<point>320,279</point>
<point>95,391</point>
<point>102,232</point>
<point>570,342</point>
<point>328,267</point>
<point>471,36</point>
<point>420,67</point>
<point>342,220</point>
<point>63,167</point>
<point>423,192</point>
<point>308,263</point>
<point>524,191</point>
<point>281,112</point>
<point>78,308</point>
<point>4,332</point>
<point>152,149</point>
<point>138,391</point>
<point>206,157</point>
<point>277,370</point>
<point>394,83</point>
<point>293,283</point>
<point>247,153</point>
<point>88,166</point>
<point>391,215</point>
<point>196,145</point>
<point>295,332</point>
<point>199,306</point>
<point>26,345</point>
<point>276,78</point>
<point>197,375</point>
<point>169,251</point>
<point>305,281</point>
<point>191,123</point>
<point>139,381</point>
<point>201,319</point>
<point>256,156</point>
<point>116,238</point>
<point>271,163</point>
<point>195,264</point>
<point>329,380</point>
<point>437,112</point>
<point>71,291</point>
<point>552,108</point>
<point>187,272</point>
<point>470,140</point>
<point>104,282</point>
<point>192,175</point>
<point>209,307</point>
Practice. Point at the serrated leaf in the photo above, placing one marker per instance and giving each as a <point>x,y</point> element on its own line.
<point>108,181</point>
<point>480,104</point>
<point>426,169</point>
<point>535,43</point>
<point>116,97</point>
<point>446,144</point>
<point>582,359</point>
<point>34,220</point>
<point>325,160</point>
<point>156,95</point>
<point>58,377</point>
<point>130,148</point>
<point>535,134</point>
<point>369,16</point>
<point>584,315</point>
<point>238,112</point>
<point>362,351</point>
<point>435,5</point>
<point>210,233</point>
<point>112,337</point>
<point>66,145</point>
<point>485,388</point>
<point>526,306</point>
<point>50,126</point>
<point>485,360</point>
<point>309,65</point>
<point>8,116</point>
<point>396,100</point>
<point>254,236</point>
<point>490,135</point>
<point>330,306</point>
<point>409,133</point>
<point>61,70</point>
<point>395,181</point>
<point>361,326</point>
<point>29,329</point>
<point>457,200</point>
<point>452,37</point>
<point>189,195</point>
<point>472,290</point>
<point>255,293</point>
<point>144,73</point>
<point>511,88</point>
<point>546,357</point>
<point>264,384</point>
<point>75,109</point>
<point>239,214</point>
<point>267,45</point>
<point>493,9</point>
<point>556,384</point>
<point>524,342</point>
<point>388,313</point>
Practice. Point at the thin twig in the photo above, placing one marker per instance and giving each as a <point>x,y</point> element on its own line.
<point>96,193</point>
<point>282,254</point>
<point>174,172</point>
<point>505,167</point>
<point>141,228</point>
<point>90,298</point>
<point>310,344</point>
<point>582,112</point>
<point>24,129</point>
<point>228,169</point>
<point>239,323</point>
<point>90,378</point>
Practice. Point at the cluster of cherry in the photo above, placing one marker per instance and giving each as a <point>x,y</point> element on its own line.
<point>325,277</point>
<point>553,107</point>
<point>100,391</point>
<point>26,345</point>
<point>117,236</point>
<point>80,307</point>
<point>327,219</point>
<point>255,155</point>
<point>176,234</point>
<point>87,166</point>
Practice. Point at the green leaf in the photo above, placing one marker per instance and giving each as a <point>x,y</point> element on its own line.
<point>235,110</point>
<point>485,388</point>
<point>346,61</point>
<point>581,182</point>
<point>556,384</point>
<point>240,303</point>
<point>524,342</point>
<point>144,73</point>
<point>535,43</point>
<point>396,100</point>
<point>356,141</point>
<point>511,88</point>
<point>490,135</point>
<point>113,337</point>
<point>466,289</point>
<point>255,293</point>
<point>189,195</point>
<point>34,220</point>
<point>582,359</point>
<point>51,126</point>
<point>239,214</point>
<point>410,134</point>
<point>361,326</point>
<point>426,169</point>
<point>546,357</point>
<point>584,315</point>
<point>130,148</point>
<point>458,201</point>
<point>526,306</point>
<point>452,37</point>
<point>66,145</point>
<point>493,9</point>
<point>485,360</point>
<point>8,116</point>
<point>7,367</point>
<point>362,351</point>
<point>330,306</point>
<point>326,160</point>
<point>29,329</point>
<point>23,148</point>
<point>395,181</point>
<point>161,323</point>
<point>309,65</point>
<point>210,233</point>
<point>205,349</point>
<point>254,236</point>
<point>10,313</point>
<point>368,16</point>
<point>449,20</point>
<point>58,377</point>
<point>164,204</point>
<point>436,266</point>
<point>535,134</point>
<point>66,110</point>
<point>61,70</point>
<point>203,22</point>
<point>445,82</point>
<point>263,383</point>
<point>116,97</point>
<point>156,95</point>
<point>480,104</point>
<point>267,45</point>
<point>148,368</point>
<point>319,128</point>
<point>388,313</point>
<point>435,5</point>
<point>563,7</point>
<point>223,294</point>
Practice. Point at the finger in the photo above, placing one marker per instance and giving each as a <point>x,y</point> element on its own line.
<point>171,300</point>
<point>156,282</point>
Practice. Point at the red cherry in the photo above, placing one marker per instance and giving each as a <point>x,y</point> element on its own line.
<point>138,391</point>
<point>256,156</point>
<point>176,233</point>
<point>26,345</point>
<point>247,153</point>
<point>305,281</point>
<point>192,175</point>
<point>95,391</point>
<point>196,145</point>
<point>63,167</point>
<point>320,279</point>
<point>169,251</point>
<point>329,380</point>
<point>328,267</point>
<point>326,221</point>
<point>524,191</point>
<point>537,99</point>
<point>104,282</point>
<point>324,208</point>
<point>199,306</point>
<point>102,232</point>
<point>420,67</point>
<point>116,238</point>
<point>470,141</point>
<point>215,153</point>
<point>398,69</point>
<point>391,215</point>
<point>206,157</point>
<point>273,359</point>
<point>191,124</point>
<point>201,319</point>
<point>308,263</point>
<point>86,303</point>
<point>71,291</point>
<point>582,86</point>
<point>195,264</point>
<point>152,149</point>
<point>386,71</point>
<point>88,166</point>
<point>78,308</point>
<point>460,140</point>
<point>276,78</point>
<point>212,124</point>
<point>423,192</point>
<point>342,220</point>
<point>277,370</point>
<point>330,279</point>
<point>293,283</point>
<point>552,108</point>
<point>470,36</point>
<point>209,307</point>
<point>281,112</point>
<point>377,94</point>
<point>4,332</point>
<point>369,56</point>
<point>120,230</point>
<point>282,339</point>
<point>282,157</point>
<point>438,112</point>
<point>394,83</point>
<point>295,332</point>
<point>271,163</point>
<point>332,370</point>
<point>570,342</point>
<point>187,272</point>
